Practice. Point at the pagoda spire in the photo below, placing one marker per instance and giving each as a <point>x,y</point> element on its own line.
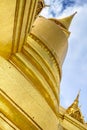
<point>74,105</point>
<point>64,22</point>
<point>74,111</point>
<point>45,30</point>
<point>76,101</point>
<point>67,21</point>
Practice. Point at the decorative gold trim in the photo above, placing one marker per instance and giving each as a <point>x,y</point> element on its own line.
<point>6,122</point>
<point>29,73</point>
<point>40,6</point>
<point>15,114</point>
<point>29,45</point>
<point>51,55</point>
<point>47,76</point>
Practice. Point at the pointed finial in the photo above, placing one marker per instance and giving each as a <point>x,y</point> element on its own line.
<point>67,21</point>
<point>74,105</point>
<point>77,98</point>
<point>76,101</point>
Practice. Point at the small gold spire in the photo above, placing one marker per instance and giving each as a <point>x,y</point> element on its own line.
<point>67,21</point>
<point>74,110</point>
<point>76,101</point>
<point>74,105</point>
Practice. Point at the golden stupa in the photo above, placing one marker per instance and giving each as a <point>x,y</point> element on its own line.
<point>32,51</point>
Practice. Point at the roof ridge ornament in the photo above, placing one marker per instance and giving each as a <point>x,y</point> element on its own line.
<point>77,98</point>
<point>74,110</point>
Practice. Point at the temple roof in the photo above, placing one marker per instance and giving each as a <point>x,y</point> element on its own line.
<point>74,111</point>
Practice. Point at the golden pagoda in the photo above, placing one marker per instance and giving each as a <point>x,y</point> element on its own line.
<point>32,51</point>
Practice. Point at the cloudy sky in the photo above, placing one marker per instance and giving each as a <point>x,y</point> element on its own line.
<point>74,75</point>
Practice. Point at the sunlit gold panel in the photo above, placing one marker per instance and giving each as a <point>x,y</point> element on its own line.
<point>25,94</point>
<point>7,13</point>
<point>16,18</point>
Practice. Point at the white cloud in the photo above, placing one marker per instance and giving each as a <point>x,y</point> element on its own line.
<point>57,7</point>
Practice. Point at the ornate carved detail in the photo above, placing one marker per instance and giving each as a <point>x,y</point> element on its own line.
<point>50,52</point>
<point>40,6</point>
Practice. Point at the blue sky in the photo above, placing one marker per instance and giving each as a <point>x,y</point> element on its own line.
<point>74,74</point>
